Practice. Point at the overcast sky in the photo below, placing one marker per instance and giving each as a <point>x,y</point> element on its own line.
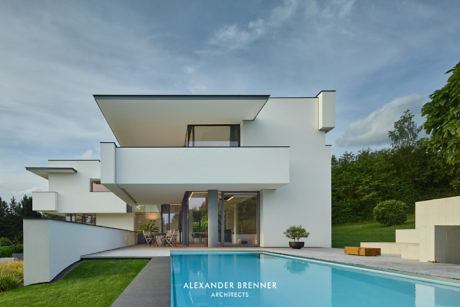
<point>382,57</point>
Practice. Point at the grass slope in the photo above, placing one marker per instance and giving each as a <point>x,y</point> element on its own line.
<point>92,283</point>
<point>354,233</point>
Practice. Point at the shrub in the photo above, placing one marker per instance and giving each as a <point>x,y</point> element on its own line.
<point>6,251</point>
<point>11,275</point>
<point>296,232</point>
<point>5,241</point>
<point>19,248</point>
<point>391,212</point>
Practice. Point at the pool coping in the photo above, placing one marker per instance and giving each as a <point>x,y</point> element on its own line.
<point>404,274</point>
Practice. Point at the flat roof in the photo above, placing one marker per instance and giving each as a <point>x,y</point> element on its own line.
<point>45,171</point>
<point>161,120</point>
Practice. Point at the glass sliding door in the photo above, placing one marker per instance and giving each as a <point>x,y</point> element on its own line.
<point>239,220</point>
<point>198,218</point>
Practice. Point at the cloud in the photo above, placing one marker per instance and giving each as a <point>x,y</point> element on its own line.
<point>234,36</point>
<point>373,129</point>
<point>87,154</point>
<point>19,194</point>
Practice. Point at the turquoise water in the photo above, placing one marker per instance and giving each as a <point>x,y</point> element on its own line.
<point>261,279</point>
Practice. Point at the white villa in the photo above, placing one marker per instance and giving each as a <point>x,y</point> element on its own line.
<point>218,170</point>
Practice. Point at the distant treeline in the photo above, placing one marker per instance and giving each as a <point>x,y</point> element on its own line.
<point>11,215</point>
<point>413,169</point>
<point>408,171</point>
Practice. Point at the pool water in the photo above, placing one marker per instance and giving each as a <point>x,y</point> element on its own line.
<point>263,279</point>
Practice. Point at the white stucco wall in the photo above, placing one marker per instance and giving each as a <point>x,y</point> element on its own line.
<point>45,201</point>
<point>306,200</point>
<point>73,190</point>
<point>122,221</point>
<point>51,246</point>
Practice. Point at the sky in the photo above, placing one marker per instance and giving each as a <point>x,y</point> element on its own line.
<point>382,57</point>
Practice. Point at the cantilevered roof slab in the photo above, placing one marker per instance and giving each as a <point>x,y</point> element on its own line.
<point>161,120</point>
<point>45,171</point>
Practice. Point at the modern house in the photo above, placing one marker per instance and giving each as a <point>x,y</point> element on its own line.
<point>220,170</point>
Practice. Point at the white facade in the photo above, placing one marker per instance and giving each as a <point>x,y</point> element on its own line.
<point>277,150</point>
<point>70,193</point>
<point>306,200</point>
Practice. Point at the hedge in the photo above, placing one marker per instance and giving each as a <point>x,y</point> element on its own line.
<point>7,251</point>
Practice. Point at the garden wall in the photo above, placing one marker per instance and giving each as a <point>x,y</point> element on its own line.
<point>50,246</point>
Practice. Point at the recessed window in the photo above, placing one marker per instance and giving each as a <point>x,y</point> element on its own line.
<point>213,136</point>
<point>81,218</point>
<point>96,186</point>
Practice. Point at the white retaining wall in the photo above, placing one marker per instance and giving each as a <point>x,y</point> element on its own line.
<point>50,246</point>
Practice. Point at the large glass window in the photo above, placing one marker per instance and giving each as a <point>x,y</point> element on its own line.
<point>239,219</point>
<point>213,136</point>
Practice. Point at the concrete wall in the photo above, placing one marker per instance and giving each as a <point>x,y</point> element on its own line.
<point>73,190</point>
<point>436,237</point>
<point>51,246</point>
<point>306,200</point>
<point>442,212</point>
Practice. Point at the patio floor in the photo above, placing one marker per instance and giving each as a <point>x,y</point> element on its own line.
<point>384,262</point>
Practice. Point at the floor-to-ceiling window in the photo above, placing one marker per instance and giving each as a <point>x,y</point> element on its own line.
<point>213,136</point>
<point>239,219</point>
<point>198,218</point>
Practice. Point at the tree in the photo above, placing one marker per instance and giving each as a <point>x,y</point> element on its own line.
<point>443,122</point>
<point>408,172</point>
<point>391,212</point>
<point>4,219</point>
<point>405,131</point>
<point>11,217</point>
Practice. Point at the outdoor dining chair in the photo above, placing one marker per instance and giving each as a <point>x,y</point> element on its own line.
<point>148,237</point>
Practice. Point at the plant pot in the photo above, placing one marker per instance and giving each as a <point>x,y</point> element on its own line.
<point>296,245</point>
<point>141,239</point>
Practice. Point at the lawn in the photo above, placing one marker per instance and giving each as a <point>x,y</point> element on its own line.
<point>354,233</point>
<point>92,283</point>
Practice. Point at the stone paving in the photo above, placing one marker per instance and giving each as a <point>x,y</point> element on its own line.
<point>151,287</point>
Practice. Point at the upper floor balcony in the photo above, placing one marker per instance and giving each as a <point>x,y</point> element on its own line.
<point>142,175</point>
<point>45,201</point>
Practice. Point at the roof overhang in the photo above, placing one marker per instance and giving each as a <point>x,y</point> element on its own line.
<point>45,171</point>
<point>161,120</point>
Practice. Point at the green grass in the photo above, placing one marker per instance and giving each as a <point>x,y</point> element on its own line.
<point>354,233</point>
<point>92,283</point>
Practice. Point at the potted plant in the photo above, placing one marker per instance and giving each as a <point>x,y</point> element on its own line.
<point>295,233</point>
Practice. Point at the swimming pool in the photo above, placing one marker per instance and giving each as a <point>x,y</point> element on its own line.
<point>264,279</point>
